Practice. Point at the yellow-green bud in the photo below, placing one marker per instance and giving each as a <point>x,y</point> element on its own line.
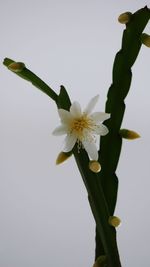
<point>129,134</point>
<point>124,18</point>
<point>145,39</point>
<point>16,66</point>
<point>63,156</point>
<point>114,221</point>
<point>101,261</point>
<point>94,166</point>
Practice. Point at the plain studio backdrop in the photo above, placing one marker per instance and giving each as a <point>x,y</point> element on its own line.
<point>45,216</point>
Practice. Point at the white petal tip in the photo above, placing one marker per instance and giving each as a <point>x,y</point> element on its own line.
<point>91,104</point>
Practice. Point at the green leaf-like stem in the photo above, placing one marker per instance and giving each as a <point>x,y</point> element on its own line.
<point>34,79</point>
<point>110,146</point>
<point>96,196</point>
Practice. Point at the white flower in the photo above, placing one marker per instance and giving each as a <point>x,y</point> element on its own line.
<point>81,127</point>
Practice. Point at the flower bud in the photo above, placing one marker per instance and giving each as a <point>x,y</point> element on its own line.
<point>114,221</point>
<point>62,157</point>
<point>145,39</point>
<point>100,261</point>
<point>128,134</point>
<point>16,66</point>
<point>124,18</point>
<point>94,166</point>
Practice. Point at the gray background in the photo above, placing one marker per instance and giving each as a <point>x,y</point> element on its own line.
<point>45,216</point>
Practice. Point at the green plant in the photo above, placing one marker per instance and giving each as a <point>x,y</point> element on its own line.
<point>102,185</point>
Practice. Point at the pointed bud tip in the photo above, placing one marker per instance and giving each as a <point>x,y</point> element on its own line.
<point>114,221</point>
<point>145,39</point>
<point>124,18</point>
<point>63,156</point>
<point>129,134</point>
<point>94,166</point>
<point>16,66</point>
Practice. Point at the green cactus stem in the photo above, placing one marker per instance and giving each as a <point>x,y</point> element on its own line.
<point>110,146</point>
<point>96,197</point>
<point>28,75</point>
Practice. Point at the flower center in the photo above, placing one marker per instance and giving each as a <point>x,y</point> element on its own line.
<point>80,124</point>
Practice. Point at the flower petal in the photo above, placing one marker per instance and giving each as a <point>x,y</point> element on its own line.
<point>100,116</point>
<point>64,115</point>
<point>101,129</point>
<point>60,130</point>
<point>91,104</point>
<point>75,109</point>
<point>91,149</point>
<point>70,141</point>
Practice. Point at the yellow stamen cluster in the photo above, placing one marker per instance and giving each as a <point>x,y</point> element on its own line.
<point>79,124</point>
<point>77,127</point>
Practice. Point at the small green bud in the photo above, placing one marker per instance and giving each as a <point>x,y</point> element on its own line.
<point>63,156</point>
<point>124,18</point>
<point>94,166</point>
<point>16,66</point>
<point>101,261</point>
<point>145,39</point>
<point>114,221</point>
<point>128,134</point>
